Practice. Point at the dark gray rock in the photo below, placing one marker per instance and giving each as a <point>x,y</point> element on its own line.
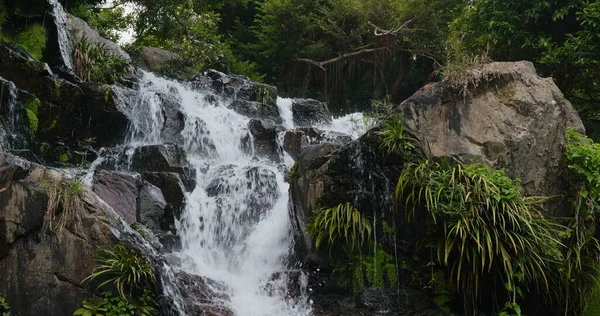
<point>309,112</point>
<point>164,158</point>
<point>152,208</point>
<point>172,189</point>
<point>298,139</point>
<point>265,133</point>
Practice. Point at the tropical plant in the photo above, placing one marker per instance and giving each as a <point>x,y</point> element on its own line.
<point>341,224</point>
<point>64,203</point>
<point>393,139</point>
<point>110,305</point>
<point>482,227</point>
<point>128,270</point>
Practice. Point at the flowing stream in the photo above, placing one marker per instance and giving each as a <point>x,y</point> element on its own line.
<point>236,226</point>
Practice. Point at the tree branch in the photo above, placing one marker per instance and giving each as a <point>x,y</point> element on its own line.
<point>322,64</point>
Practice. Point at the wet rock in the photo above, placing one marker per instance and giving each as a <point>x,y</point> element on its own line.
<point>252,99</point>
<point>256,110</point>
<point>309,112</point>
<point>511,119</point>
<point>296,140</point>
<point>203,296</point>
<point>79,29</point>
<point>265,138</point>
<point>172,189</point>
<point>67,111</point>
<point>164,158</point>
<point>151,208</point>
<point>120,191</point>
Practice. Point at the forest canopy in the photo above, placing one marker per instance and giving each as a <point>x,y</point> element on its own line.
<point>349,52</point>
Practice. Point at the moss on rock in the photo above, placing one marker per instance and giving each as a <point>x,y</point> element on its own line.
<point>33,39</point>
<point>32,111</point>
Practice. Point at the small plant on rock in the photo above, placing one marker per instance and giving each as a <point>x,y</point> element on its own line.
<point>342,223</point>
<point>93,63</point>
<point>64,204</point>
<point>128,270</point>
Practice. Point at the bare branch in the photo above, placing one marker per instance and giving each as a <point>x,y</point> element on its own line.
<point>322,64</point>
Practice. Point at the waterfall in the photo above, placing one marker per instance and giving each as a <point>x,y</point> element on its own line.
<point>235,228</point>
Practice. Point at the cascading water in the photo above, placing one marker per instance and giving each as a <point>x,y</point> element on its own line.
<point>236,227</point>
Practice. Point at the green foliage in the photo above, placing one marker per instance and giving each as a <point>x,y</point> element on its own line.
<point>93,63</point>
<point>373,270</point>
<point>64,204</point>
<point>127,269</point>
<point>340,225</point>
<point>559,36</point>
<point>4,308</point>
<point>107,21</point>
<point>482,227</point>
<point>581,267</point>
<point>33,39</point>
<point>110,305</point>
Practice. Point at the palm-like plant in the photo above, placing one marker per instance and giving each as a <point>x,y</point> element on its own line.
<point>482,226</point>
<point>340,223</point>
<point>127,269</point>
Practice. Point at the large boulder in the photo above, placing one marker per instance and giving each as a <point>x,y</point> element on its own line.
<point>157,59</point>
<point>506,116</point>
<point>78,29</point>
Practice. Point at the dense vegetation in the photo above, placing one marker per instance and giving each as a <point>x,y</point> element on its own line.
<point>351,51</point>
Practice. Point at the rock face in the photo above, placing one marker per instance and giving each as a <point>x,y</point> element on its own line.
<point>41,268</point>
<point>511,118</point>
<point>296,140</point>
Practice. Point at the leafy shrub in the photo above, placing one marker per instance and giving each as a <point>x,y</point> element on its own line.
<point>582,268</point>
<point>94,63</point>
<point>482,227</point>
<point>4,308</point>
<point>127,269</point>
<point>110,305</point>
<point>393,139</point>
<point>342,223</point>
<point>374,269</point>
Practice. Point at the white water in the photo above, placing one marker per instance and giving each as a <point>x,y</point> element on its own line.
<point>236,227</point>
